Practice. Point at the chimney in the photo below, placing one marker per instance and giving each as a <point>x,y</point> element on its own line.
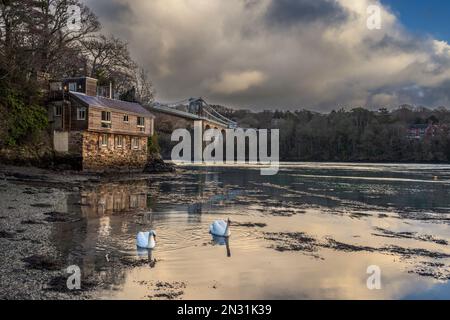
<point>91,87</point>
<point>110,90</point>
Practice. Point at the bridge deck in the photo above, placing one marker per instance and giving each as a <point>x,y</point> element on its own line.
<point>186,115</point>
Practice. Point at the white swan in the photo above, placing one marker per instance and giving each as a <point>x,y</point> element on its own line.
<point>146,240</point>
<point>220,228</point>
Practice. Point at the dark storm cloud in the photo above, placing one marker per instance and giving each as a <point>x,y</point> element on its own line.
<point>289,54</point>
<point>413,94</point>
<point>437,96</point>
<point>291,12</point>
<point>404,44</point>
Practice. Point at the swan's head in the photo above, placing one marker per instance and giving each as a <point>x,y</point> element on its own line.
<point>153,234</point>
<point>228,221</point>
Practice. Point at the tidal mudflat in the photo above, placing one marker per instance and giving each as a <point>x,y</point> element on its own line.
<point>309,232</point>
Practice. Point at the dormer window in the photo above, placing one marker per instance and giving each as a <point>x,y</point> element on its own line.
<point>73,86</point>
<point>106,119</point>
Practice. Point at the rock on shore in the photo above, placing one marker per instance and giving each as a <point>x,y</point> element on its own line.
<point>157,165</point>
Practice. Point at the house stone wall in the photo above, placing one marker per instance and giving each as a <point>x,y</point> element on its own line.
<point>97,158</point>
<point>75,142</point>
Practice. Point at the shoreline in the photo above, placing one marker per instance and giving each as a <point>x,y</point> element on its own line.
<point>31,267</point>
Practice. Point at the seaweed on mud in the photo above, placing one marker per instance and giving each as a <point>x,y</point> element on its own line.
<point>434,270</point>
<point>408,235</point>
<point>136,263</point>
<point>170,285</point>
<point>295,241</point>
<point>31,222</point>
<point>53,217</point>
<point>169,295</point>
<point>409,252</point>
<point>41,205</point>
<point>409,213</point>
<point>164,290</point>
<point>6,235</point>
<point>302,242</point>
<point>249,224</point>
<point>345,247</point>
<point>359,215</point>
<point>279,211</point>
<point>169,290</point>
<point>38,262</point>
<point>59,284</point>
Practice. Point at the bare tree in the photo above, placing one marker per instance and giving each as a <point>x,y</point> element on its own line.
<point>144,88</point>
<point>109,59</point>
<point>36,36</point>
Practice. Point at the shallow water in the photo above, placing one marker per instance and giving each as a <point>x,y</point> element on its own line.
<point>322,226</point>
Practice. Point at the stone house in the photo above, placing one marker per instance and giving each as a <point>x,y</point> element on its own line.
<point>105,134</point>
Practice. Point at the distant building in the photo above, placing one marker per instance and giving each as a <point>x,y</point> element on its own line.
<point>104,133</point>
<point>421,131</point>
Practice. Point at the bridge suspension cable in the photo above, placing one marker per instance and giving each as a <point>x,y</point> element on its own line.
<point>218,117</point>
<point>215,118</point>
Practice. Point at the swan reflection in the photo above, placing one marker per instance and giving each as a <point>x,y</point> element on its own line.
<point>147,253</point>
<point>222,241</point>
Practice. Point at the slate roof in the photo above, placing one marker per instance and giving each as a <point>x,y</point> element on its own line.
<point>102,102</point>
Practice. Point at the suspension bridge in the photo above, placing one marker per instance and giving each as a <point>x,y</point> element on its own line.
<point>183,113</point>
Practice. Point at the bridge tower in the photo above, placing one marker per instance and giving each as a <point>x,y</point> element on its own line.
<point>196,106</point>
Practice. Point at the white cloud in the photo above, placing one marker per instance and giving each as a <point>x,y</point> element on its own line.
<point>235,82</point>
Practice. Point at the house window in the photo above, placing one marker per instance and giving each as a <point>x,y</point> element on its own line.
<point>125,118</point>
<point>141,123</point>
<point>104,140</point>
<point>73,86</point>
<point>81,113</point>
<point>134,202</point>
<point>119,141</point>
<point>58,111</point>
<point>106,119</point>
<point>135,143</point>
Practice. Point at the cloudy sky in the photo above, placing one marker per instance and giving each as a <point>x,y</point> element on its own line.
<point>287,54</point>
